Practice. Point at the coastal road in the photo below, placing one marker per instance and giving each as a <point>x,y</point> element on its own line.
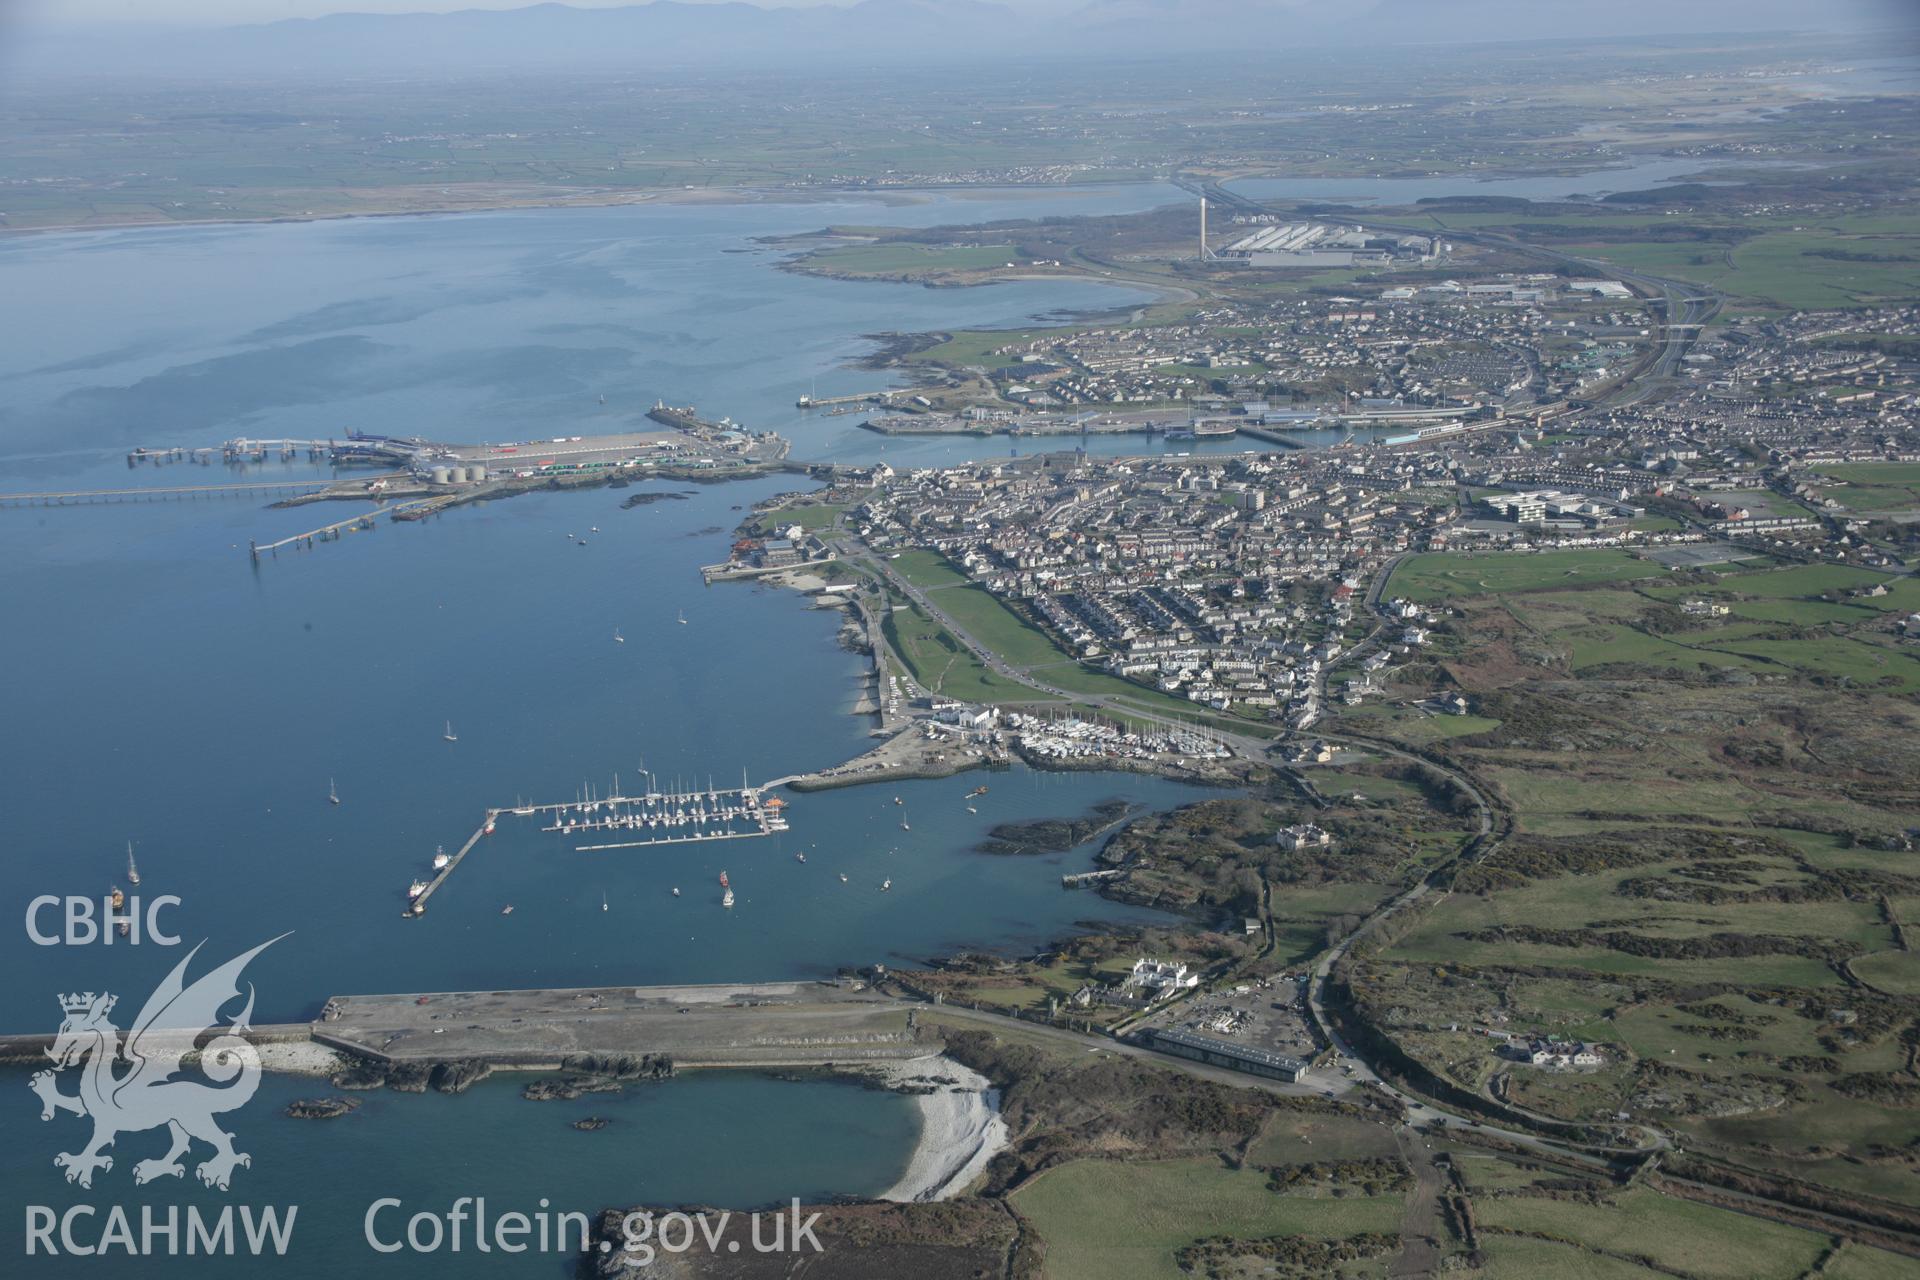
<point>1003,1024</point>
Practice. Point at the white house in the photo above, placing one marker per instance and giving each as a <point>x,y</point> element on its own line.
<point>1161,978</point>
<point>1303,836</point>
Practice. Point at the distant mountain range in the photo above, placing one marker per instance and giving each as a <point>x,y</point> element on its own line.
<point>668,33</point>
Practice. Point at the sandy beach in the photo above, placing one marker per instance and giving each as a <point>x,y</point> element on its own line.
<point>960,1128</point>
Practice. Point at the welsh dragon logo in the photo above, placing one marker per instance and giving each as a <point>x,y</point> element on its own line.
<point>145,1095</point>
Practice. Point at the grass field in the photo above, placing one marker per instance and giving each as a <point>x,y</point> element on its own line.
<point>1861,1262</point>
<point>1698,1240</point>
<point>1874,486</point>
<point>938,660</point>
<point>997,627</point>
<point>926,569</point>
<point>1894,972</point>
<point>812,516</point>
<point>1519,1258</point>
<point>1449,574</point>
<point>1797,582</point>
<point>1594,625</point>
<point>1114,1220</point>
<point>1294,1137</point>
<point>1790,268</point>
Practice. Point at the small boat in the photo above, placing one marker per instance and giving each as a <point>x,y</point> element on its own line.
<point>897,800</point>
<point>117,899</point>
<point>977,791</point>
<point>726,899</point>
<point>417,888</point>
<point>617,637</point>
<point>800,857</point>
<point>133,872</point>
<point>449,735</point>
<point>905,827</point>
<point>676,891</point>
<point>333,792</point>
<point>843,877</point>
<point>683,617</point>
<point>603,902</point>
<point>594,529</point>
<point>971,809</point>
<point>507,910</point>
<point>440,858</point>
<point>886,884</point>
<point>723,880</point>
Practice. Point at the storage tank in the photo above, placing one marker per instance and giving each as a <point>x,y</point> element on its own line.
<point>438,475</point>
<point>456,475</point>
<point>477,474</point>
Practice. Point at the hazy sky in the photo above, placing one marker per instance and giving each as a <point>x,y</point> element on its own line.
<point>229,12</point>
<point>1671,16</point>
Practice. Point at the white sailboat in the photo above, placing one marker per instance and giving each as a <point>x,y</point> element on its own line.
<point>617,637</point>
<point>683,617</point>
<point>449,735</point>
<point>133,872</point>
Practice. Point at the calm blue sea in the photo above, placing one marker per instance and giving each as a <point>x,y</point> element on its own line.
<point>161,689</point>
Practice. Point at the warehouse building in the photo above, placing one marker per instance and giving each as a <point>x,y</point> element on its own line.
<point>1225,1053</point>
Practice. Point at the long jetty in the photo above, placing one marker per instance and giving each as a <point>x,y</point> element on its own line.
<point>861,397</point>
<point>156,493</point>
<point>670,817</point>
<point>418,904</point>
<point>339,528</point>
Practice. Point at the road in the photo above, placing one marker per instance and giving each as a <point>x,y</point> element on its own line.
<point>1002,1023</point>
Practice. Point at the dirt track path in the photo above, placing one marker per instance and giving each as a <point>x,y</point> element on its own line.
<point>1421,1226</point>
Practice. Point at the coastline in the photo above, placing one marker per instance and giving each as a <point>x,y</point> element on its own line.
<point>581,199</point>
<point>961,1128</point>
<point>299,1058</point>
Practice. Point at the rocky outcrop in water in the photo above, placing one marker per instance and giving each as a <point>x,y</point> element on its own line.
<point>567,1088</point>
<point>1053,835</point>
<point>648,499</point>
<point>322,1108</point>
<point>619,1066</point>
<point>455,1076</point>
<point>597,1073</point>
